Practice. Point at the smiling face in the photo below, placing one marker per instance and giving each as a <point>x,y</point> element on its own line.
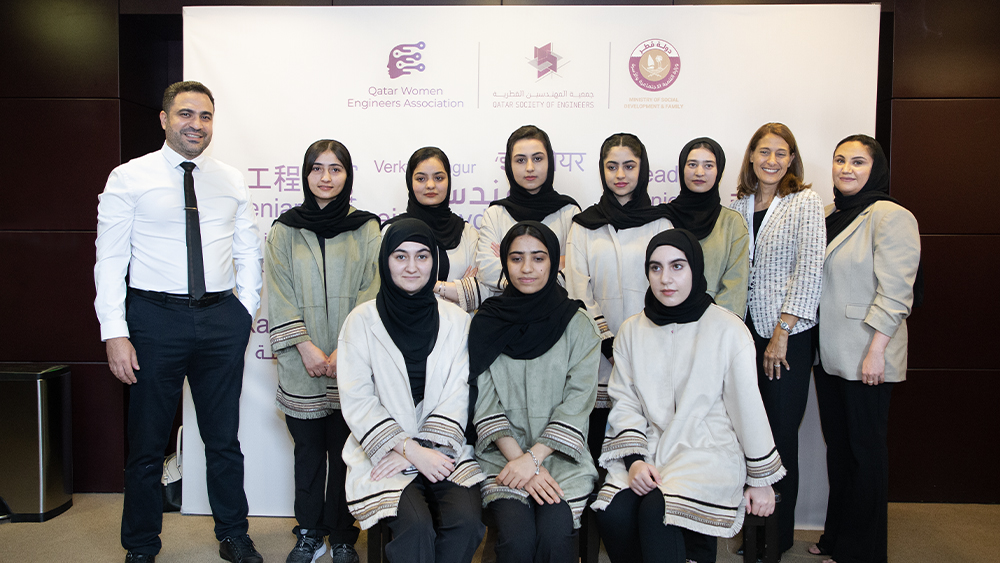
<point>771,159</point>
<point>852,166</point>
<point>669,275</point>
<point>528,264</point>
<point>621,172</point>
<point>326,178</point>
<point>188,125</point>
<point>530,164</point>
<point>410,266</point>
<point>430,182</point>
<point>700,170</point>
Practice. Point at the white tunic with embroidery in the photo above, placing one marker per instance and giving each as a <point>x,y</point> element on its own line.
<point>685,398</point>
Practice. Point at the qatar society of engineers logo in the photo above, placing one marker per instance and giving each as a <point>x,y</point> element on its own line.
<point>654,65</point>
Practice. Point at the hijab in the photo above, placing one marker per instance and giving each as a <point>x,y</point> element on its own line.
<point>692,308</point>
<point>848,207</point>
<point>521,205</point>
<point>412,321</point>
<point>697,212</point>
<point>446,225</point>
<point>637,212</point>
<point>332,219</point>
<point>875,189</point>
<point>521,326</point>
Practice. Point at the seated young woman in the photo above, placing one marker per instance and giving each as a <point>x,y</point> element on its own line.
<point>403,370</point>
<point>688,445</point>
<point>535,353</point>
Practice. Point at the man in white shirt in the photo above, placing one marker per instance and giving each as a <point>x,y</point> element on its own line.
<point>183,317</point>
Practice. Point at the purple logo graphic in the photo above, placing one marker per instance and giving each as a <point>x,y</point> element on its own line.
<point>402,59</point>
<point>545,60</point>
<point>654,65</point>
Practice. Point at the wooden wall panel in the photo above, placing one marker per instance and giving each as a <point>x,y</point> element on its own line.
<point>57,49</point>
<point>942,437</point>
<point>64,150</point>
<point>48,289</point>
<point>947,333</point>
<point>98,430</point>
<point>944,163</point>
<point>946,49</point>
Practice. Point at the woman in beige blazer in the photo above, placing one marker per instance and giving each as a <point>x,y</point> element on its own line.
<point>785,222</point>
<point>872,258</point>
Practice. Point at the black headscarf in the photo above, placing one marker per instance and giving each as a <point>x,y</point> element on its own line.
<point>850,206</point>
<point>697,212</point>
<point>637,212</point>
<point>446,225</point>
<point>521,205</point>
<point>692,308</point>
<point>521,326</point>
<point>875,189</point>
<point>412,321</point>
<point>333,219</point>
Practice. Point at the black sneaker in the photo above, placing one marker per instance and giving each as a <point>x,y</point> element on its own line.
<point>308,549</point>
<point>343,553</point>
<point>239,549</point>
<point>139,558</point>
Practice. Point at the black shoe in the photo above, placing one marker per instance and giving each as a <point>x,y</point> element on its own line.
<point>139,558</point>
<point>307,549</point>
<point>239,549</point>
<point>343,553</point>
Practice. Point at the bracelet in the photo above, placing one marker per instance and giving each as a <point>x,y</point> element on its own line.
<point>534,459</point>
<point>404,447</point>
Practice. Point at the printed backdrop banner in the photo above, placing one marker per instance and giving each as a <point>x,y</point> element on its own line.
<point>387,80</point>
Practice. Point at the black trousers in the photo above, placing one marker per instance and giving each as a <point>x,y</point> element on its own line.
<point>320,472</point>
<point>633,530</point>
<point>595,433</point>
<point>785,402</point>
<point>541,533</point>
<point>855,421</point>
<point>436,523</point>
<point>207,345</point>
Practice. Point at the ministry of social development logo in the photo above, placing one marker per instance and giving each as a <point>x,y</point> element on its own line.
<point>654,65</point>
<point>402,59</point>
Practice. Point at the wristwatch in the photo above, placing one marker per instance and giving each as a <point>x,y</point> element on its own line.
<point>784,326</point>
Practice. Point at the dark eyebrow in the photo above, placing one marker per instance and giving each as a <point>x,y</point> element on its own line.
<point>678,260</point>
<point>532,252</point>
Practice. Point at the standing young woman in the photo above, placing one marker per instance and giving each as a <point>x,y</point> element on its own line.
<point>872,259</point>
<point>428,184</point>
<point>320,260</point>
<point>721,231</point>
<point>787,237</point>
<point>604,254</point>
<point>404,377</point>
<point>535,353</point>
<point>530,167</point>
<point>688,430</point>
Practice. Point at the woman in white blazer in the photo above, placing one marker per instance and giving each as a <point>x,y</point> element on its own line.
<point>403,370</point>
<point>872,258</point>
<point>787,234</point>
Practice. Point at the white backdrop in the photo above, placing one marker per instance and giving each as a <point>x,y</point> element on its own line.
<point>388,80</point>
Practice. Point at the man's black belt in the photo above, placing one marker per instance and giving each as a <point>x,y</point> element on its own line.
<point>181,299</point>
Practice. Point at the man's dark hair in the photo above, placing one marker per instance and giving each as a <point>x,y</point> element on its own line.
<point>187,86</point>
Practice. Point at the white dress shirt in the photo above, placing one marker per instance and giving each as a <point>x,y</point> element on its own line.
<point>141,228</point>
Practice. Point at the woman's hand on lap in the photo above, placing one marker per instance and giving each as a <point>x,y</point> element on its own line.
<point>390,465</point>
<point>517,472</point>
<point>643,478</point>
<point>543,488</point>
<point>429,462</point>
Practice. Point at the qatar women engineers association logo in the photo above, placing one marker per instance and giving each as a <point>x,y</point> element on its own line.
<point>654,65</point>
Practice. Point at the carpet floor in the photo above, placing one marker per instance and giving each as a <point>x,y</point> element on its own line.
<point>88,533</point>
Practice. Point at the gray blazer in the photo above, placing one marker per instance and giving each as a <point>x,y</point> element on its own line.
<point>867,286</point>
<point>786,274</point>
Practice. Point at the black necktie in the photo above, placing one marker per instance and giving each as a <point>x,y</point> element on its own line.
<point>196,265</point>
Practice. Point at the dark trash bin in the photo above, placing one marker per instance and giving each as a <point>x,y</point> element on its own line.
<point>36,442</point>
